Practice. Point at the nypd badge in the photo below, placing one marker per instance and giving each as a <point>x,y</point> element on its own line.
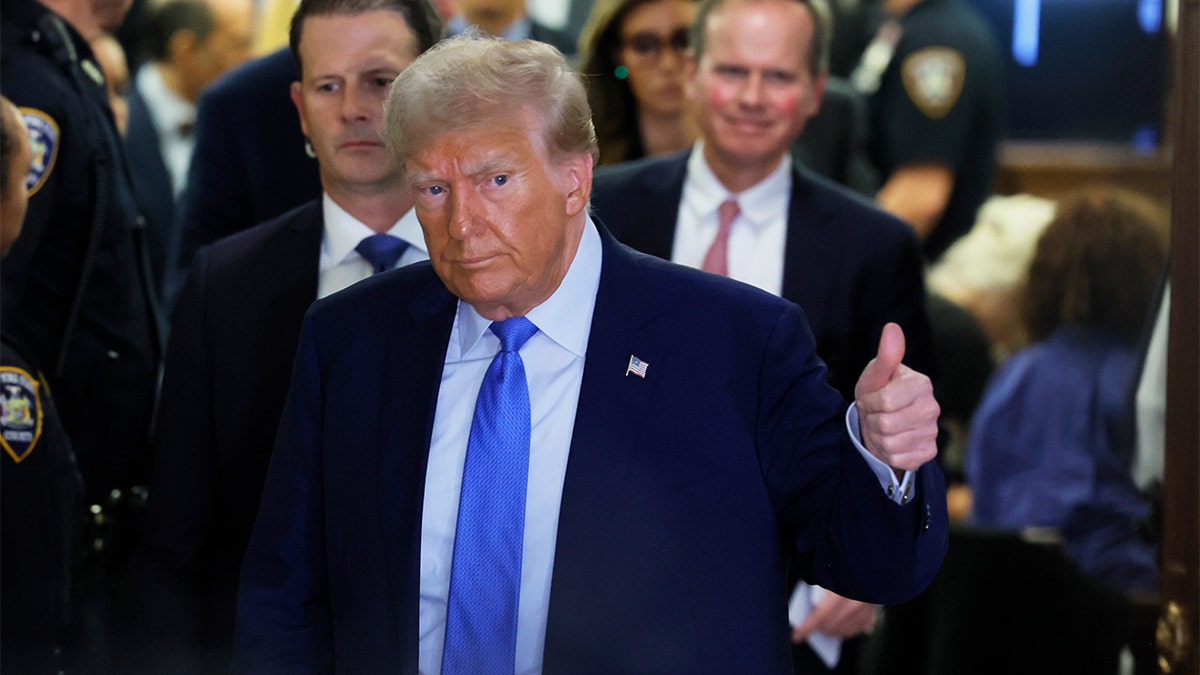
<point>20,412</point>
<point>933,78</point>
<point>43,138</point>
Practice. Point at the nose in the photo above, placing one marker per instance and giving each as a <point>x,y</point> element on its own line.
<point>357,105</point>
<point>751,91</point>
<point>461,222</point>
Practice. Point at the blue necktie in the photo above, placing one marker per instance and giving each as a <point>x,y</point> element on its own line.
<point>485,575</point>
<point>382,251</point>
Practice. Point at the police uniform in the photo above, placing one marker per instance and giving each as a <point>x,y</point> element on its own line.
<point>40,504</point>
<point>935,85</point>
<point>76,290</point>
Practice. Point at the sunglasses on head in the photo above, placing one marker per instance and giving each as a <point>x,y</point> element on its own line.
<point>648,43</point>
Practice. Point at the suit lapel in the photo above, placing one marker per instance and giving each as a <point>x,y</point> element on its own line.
<point>661,189</point>
<point>606,428</point>
<point>806,255</point>
<point>412,372</point>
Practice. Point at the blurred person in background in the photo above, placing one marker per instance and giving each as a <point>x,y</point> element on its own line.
<point>633,54</point>
<point>41,493</point>
<point>189,43</point>
<point>1044,448</point>
<point>238,320</point>
<point>506,19</point>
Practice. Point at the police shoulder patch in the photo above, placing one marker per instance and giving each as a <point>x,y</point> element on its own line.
<point>20,412</point>
<point>44,138</point>
<point>933,78</point>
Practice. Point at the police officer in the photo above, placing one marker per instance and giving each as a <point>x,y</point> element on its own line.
<point>76,292</point>
<point>40,488</point>
<point>935,84</point>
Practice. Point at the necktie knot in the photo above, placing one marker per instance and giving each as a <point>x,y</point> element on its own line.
<point>513,332</point>
<point>382,251</point>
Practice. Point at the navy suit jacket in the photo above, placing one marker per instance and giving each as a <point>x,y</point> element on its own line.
<point>249,164</point>
<point>228,366</point>
<point>683,490</point>
<point>852,267</point>
<point>152,186</point>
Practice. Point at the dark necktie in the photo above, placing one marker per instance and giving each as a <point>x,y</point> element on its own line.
<point>382,251</point>
<point>485,575</point>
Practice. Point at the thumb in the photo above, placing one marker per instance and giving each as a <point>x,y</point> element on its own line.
<point>883,367</point>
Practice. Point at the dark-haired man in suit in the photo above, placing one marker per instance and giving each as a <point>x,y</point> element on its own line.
<point>543,452</point>
<point>238,319</point>
<point>738,205</point>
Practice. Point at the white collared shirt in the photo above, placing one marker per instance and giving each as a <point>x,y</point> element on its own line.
<point>169,113</point>
<point>554,359</point>
<point>758,235</point>
<point>340,264</point>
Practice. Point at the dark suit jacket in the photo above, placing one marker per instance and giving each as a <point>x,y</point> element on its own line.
<point>152,184</point>
<point>683,490</point>
<point>249,164</point>
<point>228,365</point>
<point>834,141</point>
<point>852,267</point>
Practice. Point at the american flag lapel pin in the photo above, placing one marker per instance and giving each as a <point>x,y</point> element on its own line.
<point>636,366</point>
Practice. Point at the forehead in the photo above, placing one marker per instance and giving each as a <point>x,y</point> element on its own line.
<point>353,40</point>
<point>511,143</point>
<point>774,33</point>
<point>656,13</point>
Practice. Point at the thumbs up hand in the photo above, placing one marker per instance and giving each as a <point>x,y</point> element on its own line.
<point>897,414</point>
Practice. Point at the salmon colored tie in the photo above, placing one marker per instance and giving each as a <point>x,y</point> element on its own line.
<point>717,259</point>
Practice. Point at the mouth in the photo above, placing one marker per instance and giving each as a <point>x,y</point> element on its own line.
<point>361,144</point>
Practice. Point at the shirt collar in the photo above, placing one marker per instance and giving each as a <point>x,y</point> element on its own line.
<point>169,111</point>
<point>343,231</point>
<point>759,205</point>
<point>565,317</point>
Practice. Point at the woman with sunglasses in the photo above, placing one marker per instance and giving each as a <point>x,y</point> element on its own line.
<point>633,54</point>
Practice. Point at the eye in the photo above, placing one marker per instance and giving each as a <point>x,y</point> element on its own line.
<point>501,179</point>
<point>433,190</point>
<point>383,82</point>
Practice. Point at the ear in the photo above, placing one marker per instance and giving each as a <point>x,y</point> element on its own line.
<point>297,92</point>
<point>817,93</point>
<point>578,173</point>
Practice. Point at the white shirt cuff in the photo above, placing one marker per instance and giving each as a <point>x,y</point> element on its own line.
<point>899,491</point>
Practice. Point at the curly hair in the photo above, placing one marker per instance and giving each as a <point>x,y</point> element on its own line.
<point>1096,265</point>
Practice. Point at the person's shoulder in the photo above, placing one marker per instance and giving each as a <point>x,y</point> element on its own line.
<point>657,169</point>
<point>845,210</point>
<point>260,240</point>
<point>561,40</point>
<point>950,24</point>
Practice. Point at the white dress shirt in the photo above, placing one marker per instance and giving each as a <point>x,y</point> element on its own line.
<point>553,359</point>
<point>758,234</point>
<point>340,264</point>
<point>170,114</point>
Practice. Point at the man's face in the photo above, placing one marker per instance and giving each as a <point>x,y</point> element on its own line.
<point>227,45</point>
<point>502,222</point>
<point>752,88</point>
<point>348,63</point>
